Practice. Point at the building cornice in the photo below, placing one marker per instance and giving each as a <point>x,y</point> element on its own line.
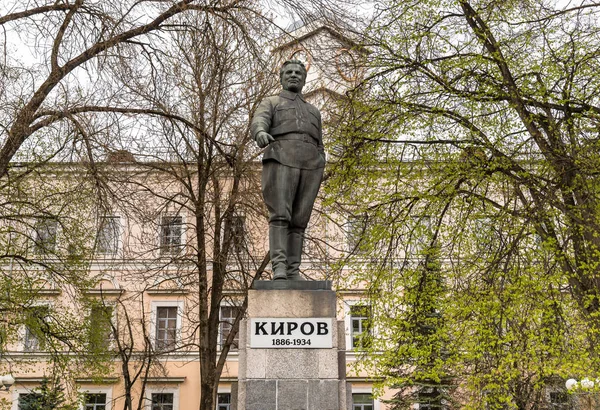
<point>364,379</point>
<point>168,291</point>
<point>28,380</point>
<point>104,292</point>
<point>351,292</point>
<point>47,292</point>
<point>90,380</point>
<point>167,379</point>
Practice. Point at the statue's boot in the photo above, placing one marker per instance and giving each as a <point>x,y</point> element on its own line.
<point>295,241</point>
<point>277,249</point>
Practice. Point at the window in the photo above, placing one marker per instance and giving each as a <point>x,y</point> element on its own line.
<point>95,401</point>
<point>360,330</point>
<point>432,397</point>
<point>166,327</point>
<point>107,241</point>
<point>238,251</point>
<point>559,400</point>
<point>487,234</point>
<point>238,232</point>
<point>419,238</point>
<point>355,229</point>
<point>29,401</point>
<point>362,401</point>
<point>162,401</point>
<point>162,398</point>
<point>36,322</point>
<point>228,315</point>
<point>224,401</point>
<point>100,331</point>
<point>45,235</point>
<point>170,234</point>
<point>32,341</point>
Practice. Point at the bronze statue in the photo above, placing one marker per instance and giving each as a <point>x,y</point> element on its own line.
<point>293,164</point>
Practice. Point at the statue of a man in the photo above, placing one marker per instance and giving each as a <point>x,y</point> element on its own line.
<point>293,165</point>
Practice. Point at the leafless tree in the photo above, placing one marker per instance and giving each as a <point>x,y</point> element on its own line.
<point>191,177</point>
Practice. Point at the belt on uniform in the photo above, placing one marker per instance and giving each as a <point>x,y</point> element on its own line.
<point>297,137</point>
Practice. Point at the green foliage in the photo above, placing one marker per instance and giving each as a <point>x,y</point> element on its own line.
<point>478,125</point>
<point>421,340</point>
<point>49,396</point>
<point>47,231</point>
<point>99,328</point>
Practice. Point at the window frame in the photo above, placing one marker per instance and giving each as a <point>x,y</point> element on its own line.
<point>97,390</point>
<point>418,244</point>
<point>314,242</point>
<point>118,240</point>
<point>240,247</point>
<point>365,390</point>
<point>486,234</point>
<point>162,390</point>
<point>348,304</point>
<point>559,399</point>
<point>172,404</point>
<point>24,331</point>
<point>39,247</point>
<point>239,231</point>
<point>113,321</point>
<point>17,393</point>
<point>222,323</point>
<point>31,343</point>
<point>352,239</point>
<point>227,404</point>
<point>166,249</point>
<point>154,322</point>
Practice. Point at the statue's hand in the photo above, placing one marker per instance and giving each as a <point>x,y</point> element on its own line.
<point>263,139</point>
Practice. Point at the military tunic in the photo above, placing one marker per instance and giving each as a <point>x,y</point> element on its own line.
<point>293,163</point>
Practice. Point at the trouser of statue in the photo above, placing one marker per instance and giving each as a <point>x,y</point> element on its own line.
<point>289,194</point>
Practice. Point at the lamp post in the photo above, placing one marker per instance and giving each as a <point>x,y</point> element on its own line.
<point>586,385</point>
<point>6,382</point>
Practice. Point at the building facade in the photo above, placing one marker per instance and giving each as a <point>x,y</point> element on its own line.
<point>125,326</point>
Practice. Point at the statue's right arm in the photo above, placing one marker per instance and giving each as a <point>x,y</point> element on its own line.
<point>261,123</point>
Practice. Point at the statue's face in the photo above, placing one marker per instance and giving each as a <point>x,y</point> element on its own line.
<point>292,78</point>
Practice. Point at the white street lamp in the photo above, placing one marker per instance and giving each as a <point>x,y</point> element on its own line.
<point>584,384</point>
<point>6,382</point>
<point>587,383</point>
<point>571,384</point>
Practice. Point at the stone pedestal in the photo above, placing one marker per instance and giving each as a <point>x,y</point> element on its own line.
<point>292,378</point>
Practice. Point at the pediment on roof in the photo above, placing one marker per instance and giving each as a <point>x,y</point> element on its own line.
<point>300,36</point>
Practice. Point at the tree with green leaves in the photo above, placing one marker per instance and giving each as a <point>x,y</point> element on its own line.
<point>479,121</point>
<point>48,396</point>
<point>419,365</point>
<point>46,244</point>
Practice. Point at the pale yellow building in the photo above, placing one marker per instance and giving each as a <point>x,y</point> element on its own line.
<point>146,307</point>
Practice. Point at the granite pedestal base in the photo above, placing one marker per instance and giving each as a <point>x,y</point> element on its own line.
<point>292,378</point>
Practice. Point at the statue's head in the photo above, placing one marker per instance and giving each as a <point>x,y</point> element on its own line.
<point>292,75</point>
